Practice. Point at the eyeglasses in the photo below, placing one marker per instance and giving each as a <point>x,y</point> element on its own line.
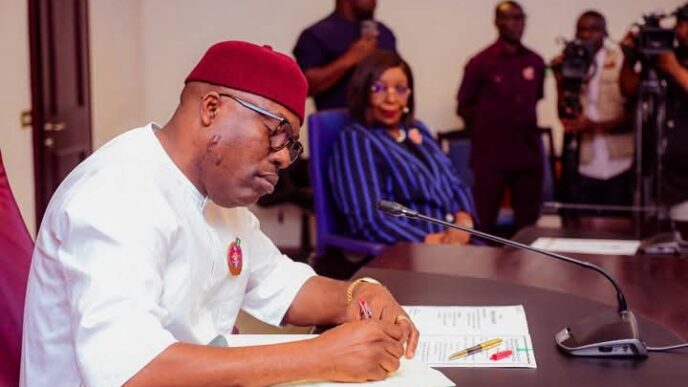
<point>281,136</point>
<point>379,89</point>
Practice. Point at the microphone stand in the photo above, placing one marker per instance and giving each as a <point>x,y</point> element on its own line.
<point>608,334</point>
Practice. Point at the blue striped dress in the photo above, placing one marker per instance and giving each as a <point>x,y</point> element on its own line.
<point>368,165</point>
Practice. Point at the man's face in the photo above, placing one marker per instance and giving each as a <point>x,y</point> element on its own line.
<point>591,29</point>
<point>681,32</point>
<point>237,165</point>
<point>510,22</point>
<point>363,9</point>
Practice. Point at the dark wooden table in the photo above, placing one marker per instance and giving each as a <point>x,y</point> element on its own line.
<point>583,227</point>
<point>547,312</point>
<point>655,287</point>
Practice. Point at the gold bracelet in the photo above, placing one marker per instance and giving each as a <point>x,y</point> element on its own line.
<point>352,286</point>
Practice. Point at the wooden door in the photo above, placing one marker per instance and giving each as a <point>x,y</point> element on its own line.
<point>60,92</point>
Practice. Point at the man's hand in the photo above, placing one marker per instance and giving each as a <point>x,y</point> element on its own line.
<point>359,351</point>
<point>629,39</point>
<point>557,62</point>
<point>668,63</point>
<point>360,49</point>
<point>385,308</point>
<point>577,125</point>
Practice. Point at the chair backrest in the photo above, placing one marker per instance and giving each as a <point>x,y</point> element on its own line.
<point>323,131</point>
<point>16,247</point>
<point>458,147</point>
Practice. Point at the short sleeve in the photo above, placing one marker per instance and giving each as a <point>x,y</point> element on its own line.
<point>309,51</point>
<point>274,279</point>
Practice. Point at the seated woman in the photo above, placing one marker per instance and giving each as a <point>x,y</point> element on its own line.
<point>386,154</point>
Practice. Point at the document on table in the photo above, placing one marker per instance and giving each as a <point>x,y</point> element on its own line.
<point>588,246</point>
<point>448,329</point>
<point>410,372</point>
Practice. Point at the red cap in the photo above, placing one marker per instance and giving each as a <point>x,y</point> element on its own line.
<point>254,69</point>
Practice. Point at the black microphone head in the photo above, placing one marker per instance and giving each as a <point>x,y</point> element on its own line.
<point>396,209</point>
<point>390,207</point>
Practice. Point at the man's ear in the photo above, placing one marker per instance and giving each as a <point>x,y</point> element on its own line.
<point>210,104</point>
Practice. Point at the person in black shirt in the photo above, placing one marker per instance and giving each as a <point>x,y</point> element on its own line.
<point>329,50</point>
<point>673,65</point>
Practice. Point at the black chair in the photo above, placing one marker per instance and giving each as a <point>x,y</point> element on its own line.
<point>294,188</point>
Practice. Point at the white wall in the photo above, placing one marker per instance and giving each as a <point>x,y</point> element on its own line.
<point>15,96</point>
<point>176,33</point>
<point>116,67</point>
<point>436,37</point>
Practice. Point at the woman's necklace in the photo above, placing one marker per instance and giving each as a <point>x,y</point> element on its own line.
<point>400,136</point>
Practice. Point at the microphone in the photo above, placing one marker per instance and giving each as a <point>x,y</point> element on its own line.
<point>609,334</point>
<point>369,28</point>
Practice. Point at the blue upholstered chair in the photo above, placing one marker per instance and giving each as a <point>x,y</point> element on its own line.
<point>323,131</point>
<point>16,247</point>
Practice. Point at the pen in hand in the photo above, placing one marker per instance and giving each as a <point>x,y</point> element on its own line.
<point>366,313</point>
<point>475,349</point>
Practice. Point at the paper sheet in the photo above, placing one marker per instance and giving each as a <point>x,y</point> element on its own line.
<point>410,373</point>
<point>448,329</point>
<point>588,246</point>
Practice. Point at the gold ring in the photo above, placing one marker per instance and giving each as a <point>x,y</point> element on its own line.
<point>401,317</point>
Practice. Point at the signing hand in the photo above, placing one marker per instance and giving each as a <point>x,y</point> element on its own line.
<point>384,307</point>
<point>359,351</point>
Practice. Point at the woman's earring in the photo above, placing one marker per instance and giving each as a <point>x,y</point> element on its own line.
<point>406,110</point>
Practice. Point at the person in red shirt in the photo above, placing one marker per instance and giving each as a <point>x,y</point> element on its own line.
<point>497,100</point>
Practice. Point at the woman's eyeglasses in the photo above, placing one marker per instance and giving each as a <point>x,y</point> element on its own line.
<point>381,90</point>
<point>281,136</point>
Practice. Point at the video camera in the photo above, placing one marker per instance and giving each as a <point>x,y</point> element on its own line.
<point>578,58</point>
<point>653,39</point>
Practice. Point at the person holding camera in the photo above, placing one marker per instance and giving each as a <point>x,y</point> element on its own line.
<point>673,66</point>
<point>601,121</point>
